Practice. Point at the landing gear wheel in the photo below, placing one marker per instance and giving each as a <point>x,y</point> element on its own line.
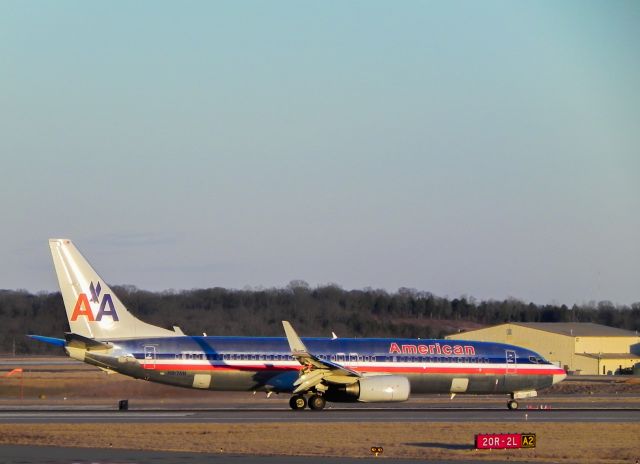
<point>512,404</point>
<point>317,403</point>
<point>298,402</point>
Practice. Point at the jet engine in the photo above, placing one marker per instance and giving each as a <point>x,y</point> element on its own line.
<point>374,389</point>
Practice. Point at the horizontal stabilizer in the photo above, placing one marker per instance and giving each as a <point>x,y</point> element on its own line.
<point>89,343</point>
<point>49,340</point>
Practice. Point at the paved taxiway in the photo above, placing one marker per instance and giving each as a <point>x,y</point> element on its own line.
<point>344,415</point>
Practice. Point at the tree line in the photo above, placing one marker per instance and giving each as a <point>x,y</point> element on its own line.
<point>315,311</point>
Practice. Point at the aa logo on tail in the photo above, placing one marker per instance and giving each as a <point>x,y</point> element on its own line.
<point>83,308</point>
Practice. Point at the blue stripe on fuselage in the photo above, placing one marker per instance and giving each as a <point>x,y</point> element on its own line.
<point>167,348</point>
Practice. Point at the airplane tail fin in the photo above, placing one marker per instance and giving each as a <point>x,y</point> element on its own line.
<point>93,310</point>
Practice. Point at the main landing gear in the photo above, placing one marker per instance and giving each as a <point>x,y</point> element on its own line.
<point>512,404</point>
<point>315,402</point>
<point>298,402</point>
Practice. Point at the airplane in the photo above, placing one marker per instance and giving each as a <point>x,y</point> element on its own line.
<point>313,371</point>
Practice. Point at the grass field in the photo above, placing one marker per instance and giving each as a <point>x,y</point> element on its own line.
<point>560,443</point>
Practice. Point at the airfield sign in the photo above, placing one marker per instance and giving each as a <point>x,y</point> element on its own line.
<point>505,440</point>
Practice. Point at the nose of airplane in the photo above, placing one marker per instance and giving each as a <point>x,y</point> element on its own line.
<point>559,377</point>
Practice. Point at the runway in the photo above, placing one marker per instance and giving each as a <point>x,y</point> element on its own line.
<point>339,415</point>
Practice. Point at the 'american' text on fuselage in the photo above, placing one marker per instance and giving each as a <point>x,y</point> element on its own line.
<point>436,348</point>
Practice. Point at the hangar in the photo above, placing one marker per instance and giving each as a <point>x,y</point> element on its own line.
<point>580,347</point>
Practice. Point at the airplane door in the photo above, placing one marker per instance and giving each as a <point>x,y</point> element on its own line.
<point>512,362</point>
<point>510,377</point>
<point>149,357</point>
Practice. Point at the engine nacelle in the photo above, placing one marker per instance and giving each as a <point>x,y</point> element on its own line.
<point>374,389</point>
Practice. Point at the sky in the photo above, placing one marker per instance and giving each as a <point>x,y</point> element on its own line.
<point>488,149</point>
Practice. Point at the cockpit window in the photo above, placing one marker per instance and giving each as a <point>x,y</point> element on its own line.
<point>533,359</point>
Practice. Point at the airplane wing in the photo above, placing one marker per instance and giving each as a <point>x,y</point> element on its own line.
<point>315,370</point>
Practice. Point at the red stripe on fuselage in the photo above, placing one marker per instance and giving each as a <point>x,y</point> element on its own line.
<point>380,369</point>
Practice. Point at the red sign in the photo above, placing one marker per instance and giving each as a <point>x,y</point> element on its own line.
<point>505,440</point>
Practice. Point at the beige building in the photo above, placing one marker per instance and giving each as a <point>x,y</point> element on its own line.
<point>583,348</point>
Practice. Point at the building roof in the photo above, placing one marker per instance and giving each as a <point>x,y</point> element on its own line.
<point>578,329</point>
<point>609,355</point>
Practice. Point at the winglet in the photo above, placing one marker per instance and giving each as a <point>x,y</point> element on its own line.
<point>296,345</point>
